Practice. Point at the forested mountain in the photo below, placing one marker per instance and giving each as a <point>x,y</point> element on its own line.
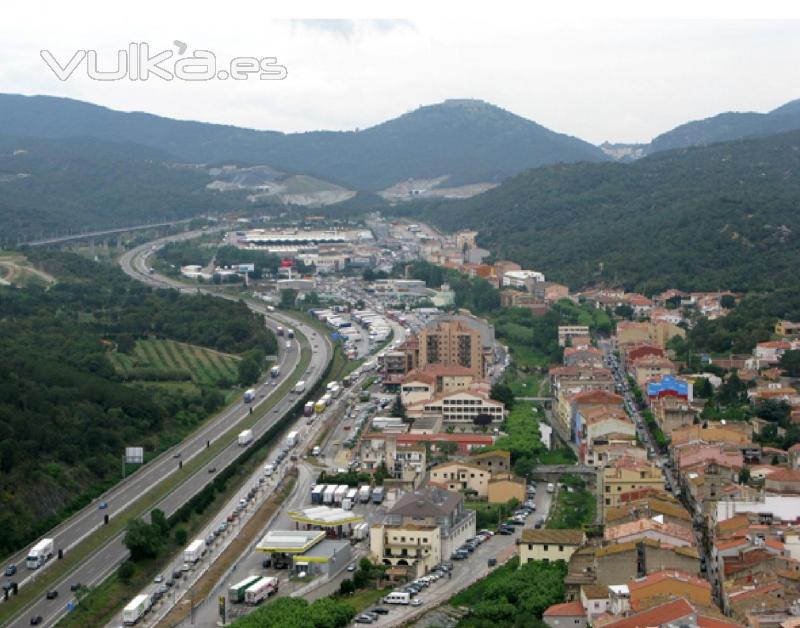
<point>66,414</point>
<point>732,125</point>
<point>467,140</point>
<point>56,186</point>
<point>722,216</point>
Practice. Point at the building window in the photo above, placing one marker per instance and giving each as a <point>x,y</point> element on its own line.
<point>560,548</point>
<point>545,547</point>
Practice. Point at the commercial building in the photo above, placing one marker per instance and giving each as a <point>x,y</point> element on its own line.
<point>459,408</point>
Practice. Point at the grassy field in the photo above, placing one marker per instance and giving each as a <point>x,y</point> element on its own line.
<point>572,509</point>
<point>176,360</point>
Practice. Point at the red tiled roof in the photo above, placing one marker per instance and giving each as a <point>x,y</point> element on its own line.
<point>660,576</point>
<point>656,616</point>
<point>710,622</point>
<point>568,609</point>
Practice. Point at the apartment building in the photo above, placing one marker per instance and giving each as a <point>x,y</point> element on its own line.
<point>549,545</point>
<point>452,343</point>
<point>422,527</point>
<point>461,476</point>
<point>624,476</point>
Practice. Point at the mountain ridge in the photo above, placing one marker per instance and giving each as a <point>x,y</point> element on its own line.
<point>468,141</point>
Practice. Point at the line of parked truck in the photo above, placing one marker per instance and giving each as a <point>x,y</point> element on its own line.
<point>253,590</point>
<point>346,496</point>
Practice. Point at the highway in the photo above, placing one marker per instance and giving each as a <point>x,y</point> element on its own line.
<point>103,561</point>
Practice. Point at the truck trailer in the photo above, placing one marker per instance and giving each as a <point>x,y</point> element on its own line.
<point>308,409</point>
<point>377,495</point>
<point>360,531</point>
<point>249,395</point>
<point>275,371</point>
<point>291,438</point>
<point>195,551</point>
<point>364,493</point>
<point>340,494</point>
<point>40,554</point>
<point>136,609</point>
<point>236,592</point>
<point>327,496</point>
<point>245,438</point>
<point>260,590</point>
<point>299,386</point>
<point>316,493</point>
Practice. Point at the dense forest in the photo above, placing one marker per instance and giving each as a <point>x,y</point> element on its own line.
<point>56,186</point>
<point>65,413</point>
<point>722,216</point>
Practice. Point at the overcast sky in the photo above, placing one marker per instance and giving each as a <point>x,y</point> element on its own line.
<point>615,79</point>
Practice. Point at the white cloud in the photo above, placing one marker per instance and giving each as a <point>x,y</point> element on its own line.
<point>614,79</point>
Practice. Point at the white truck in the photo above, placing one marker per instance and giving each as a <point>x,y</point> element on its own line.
<point>195,551</point>
<point>300,386</point>
<point>249,395</point>
<point>363,493</point>
<point>269,469</point>
<point>360,531</point>
<point>340,494</point>
<point>260,590</point>
<point>350,499</point>
<point>291,438</point>
<point>327,496</point>
<point>136,609</point>
<point>40,554</point>
<point>245,438</point>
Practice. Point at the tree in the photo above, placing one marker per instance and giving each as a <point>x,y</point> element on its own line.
<point>347,587</point>
<point>703,388</point>
<point>181,536</point>
<point>482,419</point>
<point>249,371</point>
<point>159,521</point>
<point>398,409</point>
<point>624,311</point>
<point>773,410</point>
<point>728,301</point>
<point>524,466</point>
<point>288,298</point>
<point>744,475</point>
<point>502,392</point>
<point>142,540</point>
<point>125,571</point>
<point>790,362</point>
<point>447,447</point>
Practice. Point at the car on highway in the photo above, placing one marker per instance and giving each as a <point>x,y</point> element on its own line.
<point>212,469</point>
<point>75,586</point>
<point>11,570</point>
<point>102,505</point>
<point>52,594</point>
<point>36,620</point>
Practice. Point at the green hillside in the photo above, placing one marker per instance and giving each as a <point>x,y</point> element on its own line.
<point>722,216</point>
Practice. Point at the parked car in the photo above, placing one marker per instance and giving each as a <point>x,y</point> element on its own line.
<point>416,602</point>
<point>363,619</point>
<point>380,610</point>
<point>158,579</point>
<point>492,562</point>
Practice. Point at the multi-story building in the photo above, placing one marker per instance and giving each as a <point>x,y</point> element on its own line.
<point>423,384</point>
<point>459,408</point>
<point>651,367</point>
<point>461,476</point>
<point>565,332</point>
<point>624,476</point>
<point>421,528</point>
<point>452,343</point>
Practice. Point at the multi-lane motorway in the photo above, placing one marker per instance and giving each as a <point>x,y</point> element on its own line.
<point>103,561</point>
